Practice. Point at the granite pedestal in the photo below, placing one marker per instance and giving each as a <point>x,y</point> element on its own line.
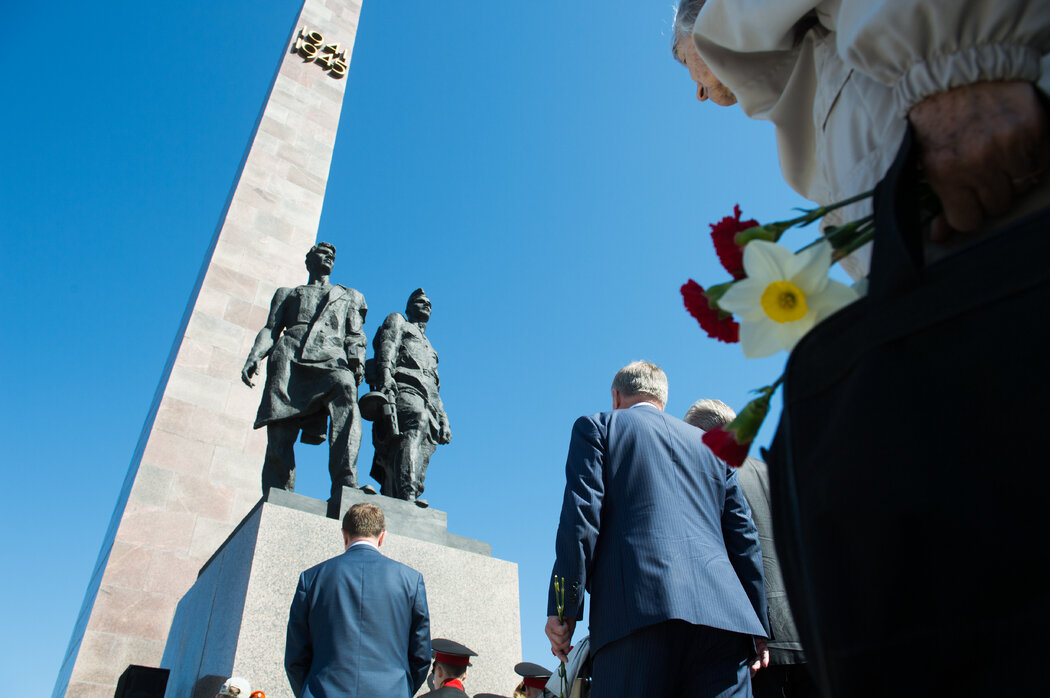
<point>232,621</point>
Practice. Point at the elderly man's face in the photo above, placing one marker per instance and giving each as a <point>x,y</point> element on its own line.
<point>707,85</point>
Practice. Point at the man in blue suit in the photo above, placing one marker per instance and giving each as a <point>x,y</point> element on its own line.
<point>657,529</point>
<point>359,624</point>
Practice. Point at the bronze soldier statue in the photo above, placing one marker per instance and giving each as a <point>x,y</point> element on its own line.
<point>314,338</point>
<point>405,372</point>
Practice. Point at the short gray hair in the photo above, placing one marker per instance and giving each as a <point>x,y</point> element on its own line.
<point>709,414</point>
<point>641,378</point>
<point>684,18</point>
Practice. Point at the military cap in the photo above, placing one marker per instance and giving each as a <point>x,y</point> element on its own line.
<point>451,653</point>
<point>533,675</point>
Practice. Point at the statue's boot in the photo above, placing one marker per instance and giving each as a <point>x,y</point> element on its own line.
<point>279,462</point>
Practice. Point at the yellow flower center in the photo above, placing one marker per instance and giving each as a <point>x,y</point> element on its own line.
<point>783,301</point>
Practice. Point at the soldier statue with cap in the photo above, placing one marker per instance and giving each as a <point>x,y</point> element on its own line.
<point>408,417</point>
<point>451,661</point>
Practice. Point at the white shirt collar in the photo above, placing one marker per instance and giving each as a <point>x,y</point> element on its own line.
<point>369,543</point>
<point>647,404</point>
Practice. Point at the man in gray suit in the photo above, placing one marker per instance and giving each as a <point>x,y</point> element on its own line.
<point>786,676</point>
<point>657,529</point>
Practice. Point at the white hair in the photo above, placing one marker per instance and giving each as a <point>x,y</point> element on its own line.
<point>684,18</point>
<point>709,414</point>
<point>641,378</point>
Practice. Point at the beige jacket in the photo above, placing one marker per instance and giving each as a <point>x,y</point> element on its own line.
<point>839,97</point>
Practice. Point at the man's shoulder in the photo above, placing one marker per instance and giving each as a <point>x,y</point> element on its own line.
<point>394,564</point>
<point>626,418</point>
<point>363,555</point>
<point>326,564</point>
<point>659,427</point>
<point>379,560</point>
<point>283,292</point>
<point>345,294</point>
<point>351,294</point>
<point>597,422</point>
<point>394,320</point>
<point>753,476</point>
<point>445,691</point>
<point>753,467</point>
<point>642,414</point>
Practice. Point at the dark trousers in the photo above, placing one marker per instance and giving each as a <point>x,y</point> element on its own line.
<point>344,438</point>
<point>784,681</point>
<point>674,659</point>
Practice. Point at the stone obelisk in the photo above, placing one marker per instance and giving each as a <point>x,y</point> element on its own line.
<point>195,471</point>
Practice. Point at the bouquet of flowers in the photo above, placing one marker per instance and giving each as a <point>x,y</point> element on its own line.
<point>775,297</point>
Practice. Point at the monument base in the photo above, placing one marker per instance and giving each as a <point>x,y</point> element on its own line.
<point>233,619</point>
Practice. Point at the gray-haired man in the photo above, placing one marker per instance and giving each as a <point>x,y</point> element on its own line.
<point>656,528</point>
<point>786,676</point>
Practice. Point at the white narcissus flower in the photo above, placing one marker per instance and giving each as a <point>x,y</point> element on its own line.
<point>784,296</point>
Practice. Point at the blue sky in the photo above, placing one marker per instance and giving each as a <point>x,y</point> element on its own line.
<point>542,169</point>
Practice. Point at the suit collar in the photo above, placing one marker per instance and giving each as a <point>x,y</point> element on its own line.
<point>364,543</point>
<point>362,550</point>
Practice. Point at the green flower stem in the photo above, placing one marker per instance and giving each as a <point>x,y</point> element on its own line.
<point>559,599</point>
<point>815,214</point>
<point>844,235</point>
<point>818,213</point>
<point>854,245</point>
<point>773,231</point>
<point>772,387</point>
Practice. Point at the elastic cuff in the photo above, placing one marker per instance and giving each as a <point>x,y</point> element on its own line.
<point>975,64</point>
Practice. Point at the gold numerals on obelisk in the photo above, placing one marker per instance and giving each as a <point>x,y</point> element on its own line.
<point>311,46</point>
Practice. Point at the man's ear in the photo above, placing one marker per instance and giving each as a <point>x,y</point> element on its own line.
<point>617,400</point>
<point>382,537</point>
<point>346,539</point>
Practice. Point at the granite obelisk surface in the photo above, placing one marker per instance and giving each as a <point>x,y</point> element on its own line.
<point>195,471</point>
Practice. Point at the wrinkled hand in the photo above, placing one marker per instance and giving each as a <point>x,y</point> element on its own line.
<point>982,145</point>
<point>250,367</point>
<point>560,635</point>
<point>761,658</point>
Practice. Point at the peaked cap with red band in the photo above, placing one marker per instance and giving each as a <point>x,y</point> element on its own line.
<point>532,675</point>
<point>451,653</point>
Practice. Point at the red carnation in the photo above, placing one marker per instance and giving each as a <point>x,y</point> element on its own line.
<point>732,441</point>
<point>723,234</point>
<point>716,322</point>
<point>726,447</point>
